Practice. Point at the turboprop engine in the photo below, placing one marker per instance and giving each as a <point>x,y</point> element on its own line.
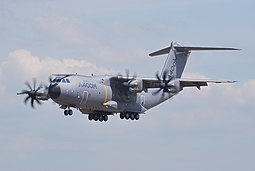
<point>135,86</point>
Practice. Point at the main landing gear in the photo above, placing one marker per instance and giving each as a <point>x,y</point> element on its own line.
<point>68,112</point>
<point>98,117</point>
<point>132,116</point>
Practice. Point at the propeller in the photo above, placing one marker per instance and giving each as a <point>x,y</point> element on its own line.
<point>32,93</point>
<point>127,80</point>
<point>164,83</point>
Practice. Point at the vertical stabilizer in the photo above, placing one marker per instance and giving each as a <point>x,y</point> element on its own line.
<point>175,62</point>
<point>170,63</point>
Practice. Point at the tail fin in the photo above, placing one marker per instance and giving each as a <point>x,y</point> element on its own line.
<point>175,62</point>
<point>170,63</point>
<point>178,56</point>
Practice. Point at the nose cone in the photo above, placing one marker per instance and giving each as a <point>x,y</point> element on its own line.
<point>54,91</point>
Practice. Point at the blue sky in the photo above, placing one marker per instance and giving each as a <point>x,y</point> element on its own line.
<point>211,129</point>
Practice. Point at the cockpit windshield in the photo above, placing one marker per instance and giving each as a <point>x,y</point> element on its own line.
<point>59,79</point>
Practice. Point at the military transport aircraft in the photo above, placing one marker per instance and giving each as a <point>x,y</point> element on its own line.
<point>128,96</point>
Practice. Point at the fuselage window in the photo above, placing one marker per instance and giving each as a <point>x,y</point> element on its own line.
<point>67,80</point>
<point>63,81</point>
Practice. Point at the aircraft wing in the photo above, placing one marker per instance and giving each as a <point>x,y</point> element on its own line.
<point>200,82</point>
<point>148,83</point>
<point>154,83</point>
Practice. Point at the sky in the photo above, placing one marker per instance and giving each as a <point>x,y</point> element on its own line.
<point>211,129</point>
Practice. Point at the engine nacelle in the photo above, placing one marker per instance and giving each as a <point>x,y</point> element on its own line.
<point>176,84</point>
<point>136,85</point>
<point>43,94</point>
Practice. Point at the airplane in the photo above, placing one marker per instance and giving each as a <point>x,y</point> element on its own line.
<point>129,96</point>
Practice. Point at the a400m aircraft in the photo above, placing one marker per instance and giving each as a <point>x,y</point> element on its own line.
<point>128,96</point>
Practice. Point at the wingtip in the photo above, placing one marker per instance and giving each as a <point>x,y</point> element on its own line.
<point>235,49</point>
<point>232,81</point>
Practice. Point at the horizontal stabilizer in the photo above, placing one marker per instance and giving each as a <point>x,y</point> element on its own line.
<point>187,49</point>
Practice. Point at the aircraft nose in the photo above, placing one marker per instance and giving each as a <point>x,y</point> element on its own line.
<point>54,91</point>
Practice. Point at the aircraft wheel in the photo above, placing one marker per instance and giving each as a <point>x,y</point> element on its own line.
<point>132,116</point>
<point>101,118</point>
<point>66,112</point>
<point>127,115</point>
<point>96,117</point>
<point>122,115</point>
<point>137,116</point>
<point>105,118</point>
<point>90,117</point>
<point>70,112</point>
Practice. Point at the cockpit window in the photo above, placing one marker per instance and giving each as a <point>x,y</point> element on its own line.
<point>63,80</point>
<point>56,80</point>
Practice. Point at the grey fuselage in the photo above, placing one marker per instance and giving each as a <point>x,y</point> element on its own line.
<point>99,94</point>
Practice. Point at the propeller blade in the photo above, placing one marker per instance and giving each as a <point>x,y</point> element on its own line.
<point>32,103</point>
<point>46,87</point>
<point>164,76</point>
<point>134,76</point>
<point>158,77</point>
<point>127,73</point>
<point>29,86</point>
<point>38,88</point>
<point>168,81</point>
<point>23,92</point>
<point>26,99</point>
<point>34,83</point>
<point>50,79</point>
<point>38,101</point>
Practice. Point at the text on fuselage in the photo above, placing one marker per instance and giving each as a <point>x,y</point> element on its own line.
<point>88,85</point>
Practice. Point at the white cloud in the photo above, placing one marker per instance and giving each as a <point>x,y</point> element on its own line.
<point>22,64</point>
<point>241,95</point>
<point>237,93</point>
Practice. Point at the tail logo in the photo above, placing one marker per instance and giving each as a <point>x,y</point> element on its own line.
<point>172,68</point>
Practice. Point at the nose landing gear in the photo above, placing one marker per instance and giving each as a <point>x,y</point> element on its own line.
<point>68,112</point>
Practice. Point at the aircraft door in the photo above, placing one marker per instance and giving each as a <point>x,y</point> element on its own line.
<point>142,100</point>
<point>84,97</point>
